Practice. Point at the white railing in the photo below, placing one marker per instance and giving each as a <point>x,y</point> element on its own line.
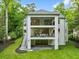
<point>42,38</point>
<point>42,26</point>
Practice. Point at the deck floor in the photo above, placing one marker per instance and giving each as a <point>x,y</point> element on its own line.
<point>41,47</point>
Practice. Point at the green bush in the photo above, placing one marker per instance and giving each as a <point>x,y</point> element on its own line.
<point>1,34</point>
<point>77,39</point>
<point>19,31</point>
<point>13,35</point>
<point>73,38</point>
<point>70,36</point>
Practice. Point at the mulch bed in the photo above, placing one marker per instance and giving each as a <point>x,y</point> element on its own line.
<point>6,44</point>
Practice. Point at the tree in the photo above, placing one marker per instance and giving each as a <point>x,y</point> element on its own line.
<point>17,14</point>
<point>2,32</point>
<point>68,13</point>
<point>14,13</point>
<point>31,7</point>
<point>76,11</point>
<point>60,8</point>
<point>6,4</point>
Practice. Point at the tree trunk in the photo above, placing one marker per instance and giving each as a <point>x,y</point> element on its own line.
<point>6,22</point>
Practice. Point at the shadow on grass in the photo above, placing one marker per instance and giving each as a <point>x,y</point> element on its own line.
<point>20,51</point>
<point>6,44</point>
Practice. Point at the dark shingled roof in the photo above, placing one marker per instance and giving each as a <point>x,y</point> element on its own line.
<point>43,12</point>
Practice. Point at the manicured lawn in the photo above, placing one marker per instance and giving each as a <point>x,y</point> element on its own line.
<point>67,52</point>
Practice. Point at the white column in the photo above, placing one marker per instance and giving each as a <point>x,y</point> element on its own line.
<point>56,33</point>
<point>62,32</point>
<point>28,33</point>
<point>23,45</point>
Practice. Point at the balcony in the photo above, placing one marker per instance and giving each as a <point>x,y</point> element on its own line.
<point>42,32</point>
<point>42,28</point>
<point>42,21</point>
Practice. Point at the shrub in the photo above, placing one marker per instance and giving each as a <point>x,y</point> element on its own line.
<point>13,35</point>
<point>73,38</point>
<point>1,33</point>
<point>70,36</point>
<point>19,31</point>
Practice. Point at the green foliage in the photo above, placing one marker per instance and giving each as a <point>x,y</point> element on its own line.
<point>1,33</point>
<point>16,15</point>
<point>31,7</point>
<point>16,18</point>
<point>70,36</point>
<point>2,25</point>
<point>72,16</point>
<point>77,39</point>
<point>69,15</point>
<point>60,8</point>
<point>13,35</point>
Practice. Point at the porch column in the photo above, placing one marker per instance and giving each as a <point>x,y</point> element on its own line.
<point>23,45</point>
<point>28,33</point>
<point>56,33</point>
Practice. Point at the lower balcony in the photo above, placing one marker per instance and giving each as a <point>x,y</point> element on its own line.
<point>42,33</point>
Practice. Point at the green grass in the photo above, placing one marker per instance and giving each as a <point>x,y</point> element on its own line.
<point>67,52</point>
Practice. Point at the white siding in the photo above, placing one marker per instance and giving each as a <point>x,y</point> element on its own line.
<point>62,32</point>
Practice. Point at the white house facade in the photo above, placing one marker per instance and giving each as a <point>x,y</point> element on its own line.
<point>45,29</point>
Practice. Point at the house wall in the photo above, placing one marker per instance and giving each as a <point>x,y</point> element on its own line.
<point>62,32</point>
<point>60,37</point>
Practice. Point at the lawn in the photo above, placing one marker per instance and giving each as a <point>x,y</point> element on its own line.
<point>67,52</point>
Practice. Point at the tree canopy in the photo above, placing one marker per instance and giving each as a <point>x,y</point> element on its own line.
<point>16,14</point>
<point>71,14</point>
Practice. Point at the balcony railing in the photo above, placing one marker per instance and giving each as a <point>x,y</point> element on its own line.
<point>42,38</point>
<point>42,32</point>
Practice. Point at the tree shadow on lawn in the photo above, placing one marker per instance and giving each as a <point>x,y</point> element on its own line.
<point>20,51</point>
<point>6,44</point>
<point>61,47</point>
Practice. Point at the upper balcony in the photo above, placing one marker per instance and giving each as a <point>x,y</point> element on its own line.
<point>42,21</point>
